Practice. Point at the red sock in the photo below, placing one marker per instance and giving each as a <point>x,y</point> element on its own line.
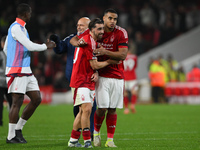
<point>86,134</point>
<point>98,122</point>
<point>75,134</point>
<point>126,101</point>
<point>133,99</point>
<point>111,121</point>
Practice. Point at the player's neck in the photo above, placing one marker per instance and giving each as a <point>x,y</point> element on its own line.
<point>106,29</point>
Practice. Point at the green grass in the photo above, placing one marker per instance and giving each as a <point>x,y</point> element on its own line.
<point>153,127</point>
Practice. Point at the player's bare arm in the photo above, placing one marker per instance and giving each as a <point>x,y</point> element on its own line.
<point>98,65</point>
<point>117,55</point>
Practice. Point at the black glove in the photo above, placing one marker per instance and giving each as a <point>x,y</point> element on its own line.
<point>55,38</point>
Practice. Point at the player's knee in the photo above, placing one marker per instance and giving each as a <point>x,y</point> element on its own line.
<point>112,110</point>
<point>87,111</point>
<point>102,111</point>
<point>36,101</point>
<point>17,100</point>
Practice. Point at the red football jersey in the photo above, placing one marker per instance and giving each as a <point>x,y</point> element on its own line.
<point>130,64</point>
<point>82,71</point>
<point>118,38</point>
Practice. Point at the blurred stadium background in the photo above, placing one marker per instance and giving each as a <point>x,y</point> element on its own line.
<point>155,27</point>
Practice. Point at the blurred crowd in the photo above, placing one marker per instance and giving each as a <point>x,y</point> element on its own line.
<point>149,23</point>
<point>163,71</point>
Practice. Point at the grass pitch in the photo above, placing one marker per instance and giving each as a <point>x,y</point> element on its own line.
<point>153,127</point>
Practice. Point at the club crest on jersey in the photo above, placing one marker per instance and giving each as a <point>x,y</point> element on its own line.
<point>82,97</point>
<point>112,38</point>
<point>105,40</point>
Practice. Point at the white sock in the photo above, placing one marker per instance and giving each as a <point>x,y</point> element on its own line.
<point>20,124</point>
<point>95,132</point>
<point>73,140</point>
<point>11,131</point>
<point>109,139</point>
<point>87,140</point>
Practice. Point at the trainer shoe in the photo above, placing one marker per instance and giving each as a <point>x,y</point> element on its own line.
<point>88,144</point>
<point>20,136</point>
<point>97,140</point>
<point>74,144</point>
<point>110,143</point>
<point>13,140</point>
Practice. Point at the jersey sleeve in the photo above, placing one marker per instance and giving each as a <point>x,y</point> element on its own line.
<point>90,48</point>
<point>123,39</point>
<point>22,38</point>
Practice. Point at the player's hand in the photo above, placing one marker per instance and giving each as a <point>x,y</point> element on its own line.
<point>50,44</point>
<point>55,38</point>
<point>99,51</point>
<point>81,42</point>
<point>95,77</point>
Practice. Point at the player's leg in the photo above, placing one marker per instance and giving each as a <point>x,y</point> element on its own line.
<point>17,100</point>
<point>116,101</point>
<point>126,96</point>
<point>33,92</point>
<point>133,98</point>
<point>126,101</point>
<point>76,132</point>
<point>102,100</point>
<point>85,123</point>
<point>111,121</point>
<point>17,87</point>
<point>8,98</point>
<point>35,100</point>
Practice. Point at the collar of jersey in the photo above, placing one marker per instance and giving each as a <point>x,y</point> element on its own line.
<point>21,22</point>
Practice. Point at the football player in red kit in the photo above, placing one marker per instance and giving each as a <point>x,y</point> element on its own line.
<point>83,88</point>
<point>130,82</point>
<point>109,87</point>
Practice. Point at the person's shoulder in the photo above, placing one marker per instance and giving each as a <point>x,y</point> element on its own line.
<point>120,30</point>
<point>15,26</point>
<point>70,36</point>
<point>86,37</point>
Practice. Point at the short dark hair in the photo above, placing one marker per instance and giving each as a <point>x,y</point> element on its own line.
<point>109,10</point>
<point>93,23</point>
<point>22,9</point>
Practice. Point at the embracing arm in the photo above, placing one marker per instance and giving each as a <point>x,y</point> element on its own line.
<point>101,64</point>
<point>98,65</point>
<point>75,41</point>
<point>117,55</point>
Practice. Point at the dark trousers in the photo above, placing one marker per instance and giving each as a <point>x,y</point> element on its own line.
<point>4,92</point>
<point>158,94</point>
